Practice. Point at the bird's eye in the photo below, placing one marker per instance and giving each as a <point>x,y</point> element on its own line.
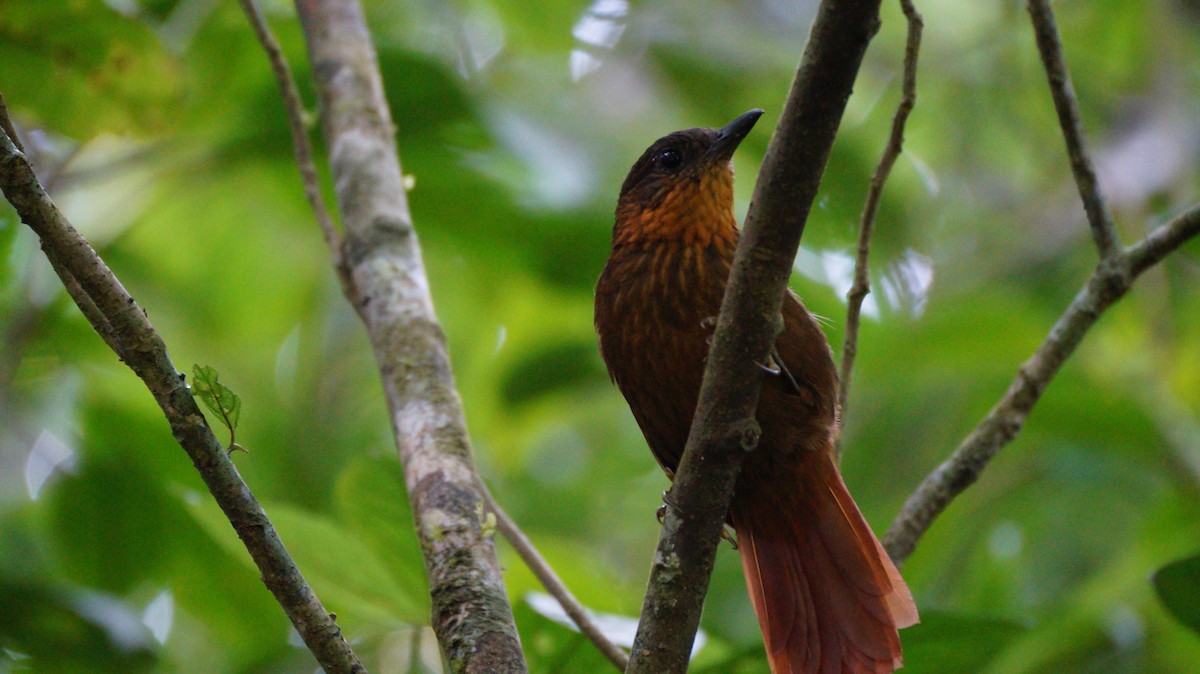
<point>669,159</point>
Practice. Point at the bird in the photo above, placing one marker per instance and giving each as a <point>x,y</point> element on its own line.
<point>827,597</point>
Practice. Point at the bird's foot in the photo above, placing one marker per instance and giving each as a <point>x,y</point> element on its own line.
<point>729,535</point>
<point>769,367</point>
<point>661,513</point>
<point>775,366</point>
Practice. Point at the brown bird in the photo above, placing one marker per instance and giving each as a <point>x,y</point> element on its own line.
<point>828,599</point>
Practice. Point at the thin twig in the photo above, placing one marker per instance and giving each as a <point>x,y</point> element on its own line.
<point>553,584</point>
<point>724,426</point>
<point>6,125</point>
<point>1163,241</point>
<point>1104,233</point>
<point>301,146</point>
<point>141,347</point>
<point>1107,284</point>
<point>895,144</point>
<point>471,614</point>
<point>1113,277</point>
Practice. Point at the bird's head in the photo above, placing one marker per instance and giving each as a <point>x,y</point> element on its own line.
<point>682,186</point>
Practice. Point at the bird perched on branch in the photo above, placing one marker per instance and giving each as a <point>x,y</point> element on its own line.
<point>828,599</point>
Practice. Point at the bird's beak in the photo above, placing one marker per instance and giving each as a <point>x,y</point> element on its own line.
<point>731,136</point>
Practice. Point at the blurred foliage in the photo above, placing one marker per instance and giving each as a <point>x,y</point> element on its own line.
<point>157,127</point>
<point>1178,585</point>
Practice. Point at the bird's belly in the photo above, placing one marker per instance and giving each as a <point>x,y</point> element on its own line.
<point>661,381</point>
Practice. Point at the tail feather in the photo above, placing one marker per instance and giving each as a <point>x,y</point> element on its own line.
<point>828,599</point>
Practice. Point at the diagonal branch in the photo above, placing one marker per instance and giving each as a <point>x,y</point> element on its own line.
<point>553,584</point>
<point>1163,241</point>
<point>471,613</point>
<point>1113,277</point>
<point>895,144</point>
<point>1104,233</point>
<point>1107,284</point>
<point>1110,281</point>
<point>724,427</point>
<point>125,327</point>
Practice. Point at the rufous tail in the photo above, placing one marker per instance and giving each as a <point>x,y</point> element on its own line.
<point>828,598</point>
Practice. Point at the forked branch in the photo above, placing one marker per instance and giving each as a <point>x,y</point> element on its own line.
<point>1113,277</point>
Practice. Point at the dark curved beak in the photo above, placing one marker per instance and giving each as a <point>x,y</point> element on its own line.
<point>731,136</point>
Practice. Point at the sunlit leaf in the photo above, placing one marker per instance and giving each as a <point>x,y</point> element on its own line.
<point>372,504</point>
<point>82,68</point>
<point>348,577</point>
<point>217,397</point>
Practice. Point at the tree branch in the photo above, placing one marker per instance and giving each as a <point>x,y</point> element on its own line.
<point>471,613</point>
<point>125,327</point>
<point>1104,233</point>
<point>895,144</point>
<point>308,173</point>
<point>1113,277</point>
<point>1107,284</point>
<point>1163,241</point>
<point>1110,281</point>
<point>553,584</point>
<point>724,428</point>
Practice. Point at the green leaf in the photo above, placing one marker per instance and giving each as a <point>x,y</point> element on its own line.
<point>112,523</point>
<point>1178,586</point>
<point>552,648</point>
<point>216,396</point>
<point>83,68</point>
<point>949,643</point>
<point>348,577</point>
<point>49,628</point>
<point>372,502</point>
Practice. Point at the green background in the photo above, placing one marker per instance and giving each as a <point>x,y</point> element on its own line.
<point>159,129</point>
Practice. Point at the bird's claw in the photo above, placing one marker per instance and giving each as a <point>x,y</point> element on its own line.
<point>661,512</point>
<point>661,515</point>
<point>768,368</point>
<point>776,367</point>
<point>730,536</point>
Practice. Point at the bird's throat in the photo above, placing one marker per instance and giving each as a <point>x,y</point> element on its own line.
<point>695,213</point>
